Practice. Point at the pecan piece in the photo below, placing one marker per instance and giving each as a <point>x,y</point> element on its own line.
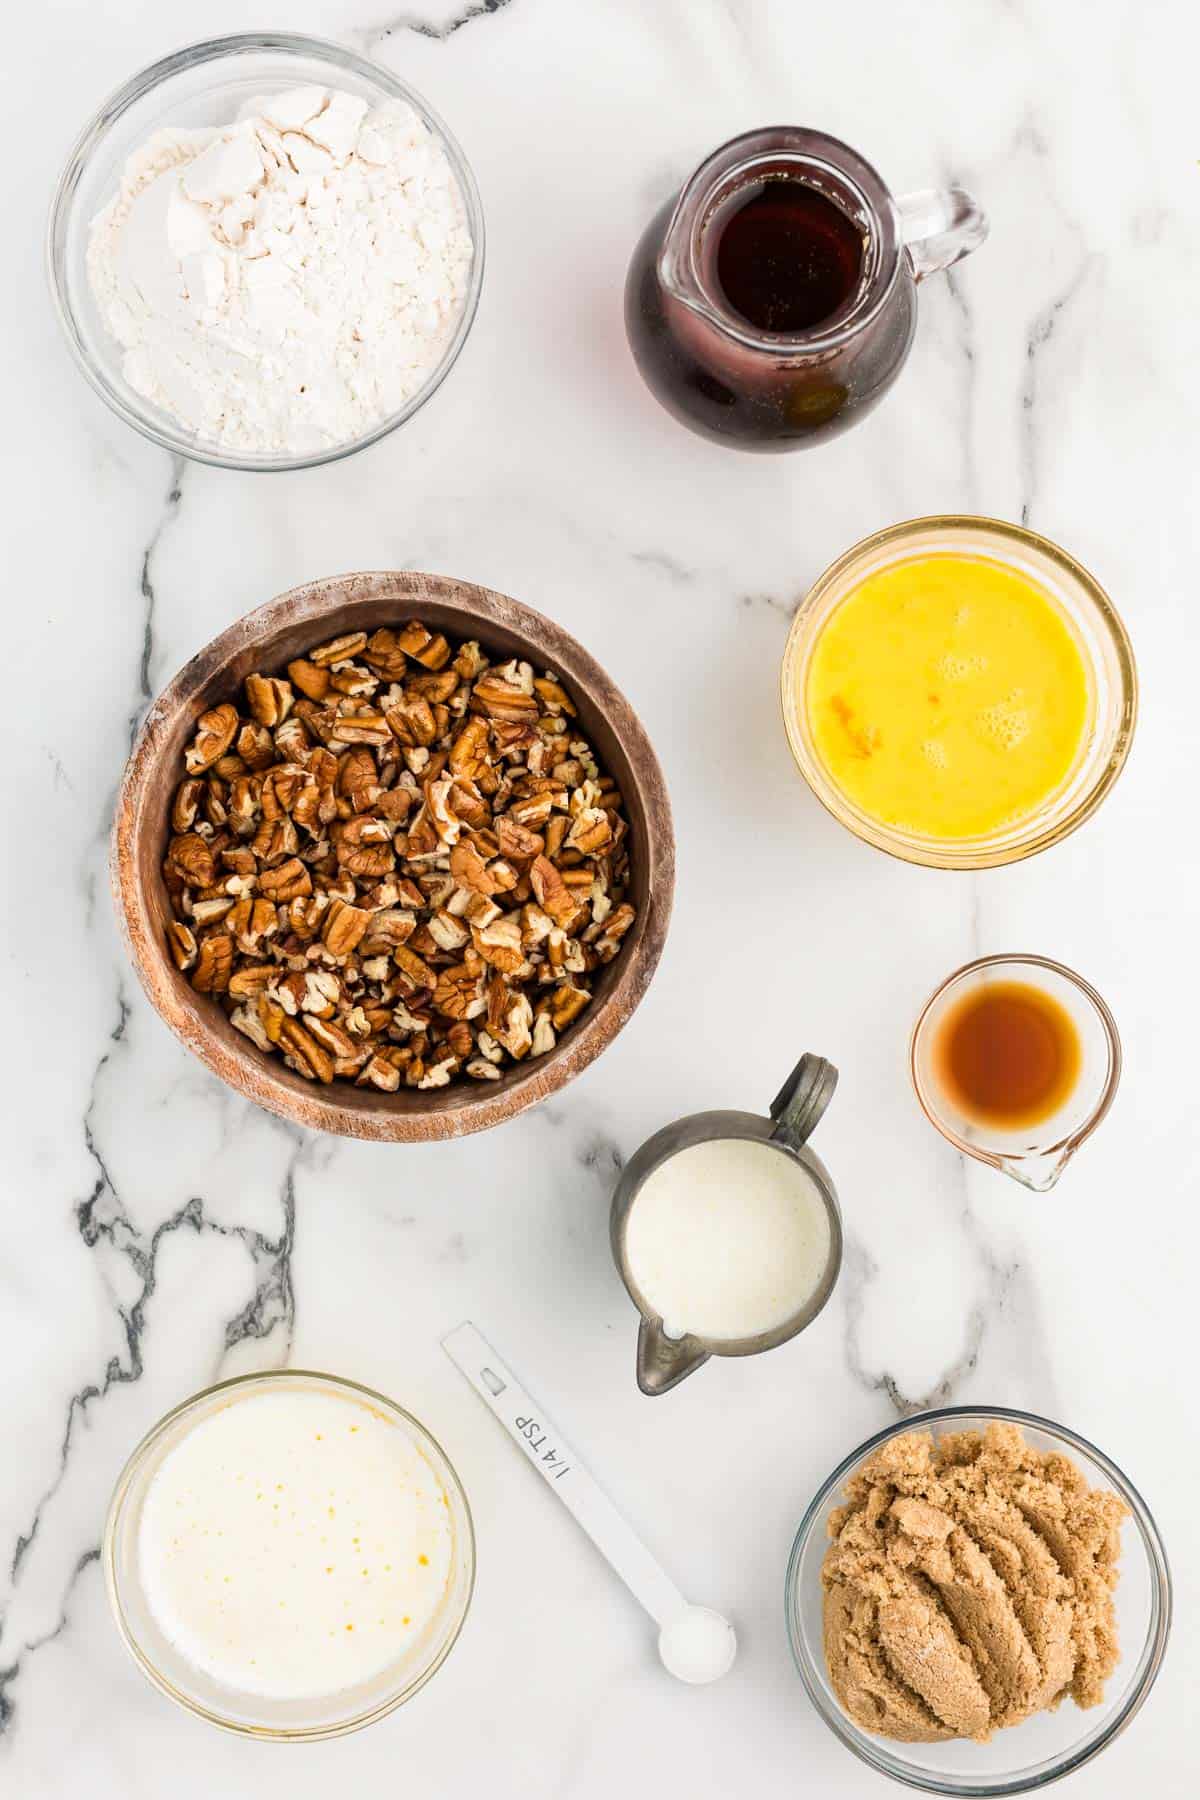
<point>312,681</point>
<point>616,926</point>
<point>186,804</point>
<point>344,928</point>
<point>516,839</point>
<point>214,964</point>
<point>513,1028</point>
<point>214,734</point>
<point>361,726</point>
<point>566,1004</point>
<point>288,882</point>
<point>338,649</point>
<point>304,1052</point>
<point>551,891</point>
<point>192,859</point>
<point>269,699</point>
<point>459,993</point>
<point>553,695</point>
<point>469,751</point>
<point>469,869</point>
<point>380,1073</point>
<point>429,648</point>
<point>410,964</point>
<point>411,721</point>
<point>183,945</point>
<point>251,978</point>
<point>500,699</point>
<point>591,833</point>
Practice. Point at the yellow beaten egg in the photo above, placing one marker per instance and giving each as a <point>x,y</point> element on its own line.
<point>948,697</point>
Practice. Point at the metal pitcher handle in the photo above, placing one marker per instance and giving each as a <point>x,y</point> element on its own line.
<point>798,1107</point>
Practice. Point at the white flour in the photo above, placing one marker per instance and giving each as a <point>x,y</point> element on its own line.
<point>283,283</point>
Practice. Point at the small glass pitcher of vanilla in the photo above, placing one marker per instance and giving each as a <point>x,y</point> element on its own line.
<point>726,1231</point>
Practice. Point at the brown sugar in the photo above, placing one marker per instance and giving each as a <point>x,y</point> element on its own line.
<point>969,1585</point>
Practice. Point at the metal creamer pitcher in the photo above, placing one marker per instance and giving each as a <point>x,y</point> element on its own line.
<point>663,1361</point>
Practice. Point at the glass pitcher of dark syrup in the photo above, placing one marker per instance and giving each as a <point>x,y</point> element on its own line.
<point>773,301</point>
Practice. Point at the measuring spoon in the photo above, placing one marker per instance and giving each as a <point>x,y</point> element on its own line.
<point>695,1643</point>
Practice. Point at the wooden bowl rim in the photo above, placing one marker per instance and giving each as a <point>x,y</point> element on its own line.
<point>478,1107</point>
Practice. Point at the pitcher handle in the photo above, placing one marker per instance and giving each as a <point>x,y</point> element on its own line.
<point>939,226</point>
<point>798,1106</point>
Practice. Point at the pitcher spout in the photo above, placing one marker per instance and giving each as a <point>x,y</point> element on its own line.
<point>663,1362</point>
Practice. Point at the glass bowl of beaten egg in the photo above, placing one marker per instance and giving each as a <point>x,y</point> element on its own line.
<point>959,692</point>
<point>289,1556</point>
<point>1019,1758</point>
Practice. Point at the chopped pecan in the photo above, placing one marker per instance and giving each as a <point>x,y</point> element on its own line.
<point>458,993</point>
<point>514,1027</point>
<point>312,681</point>
<point>269,699</point>
<point>360,726</point>
<point>214,965</point>
<point>183,945</point>
<point>287,882</point>
<point>469,869</point>
<point>338,649</point>
<point>428,648</point>
<point>591,832</point>
<point>411,721</point>
<point>344,928</point>
<point>305,1054</point>
<point>469,751</point>
<point>516,839</point>
<point>251,978</point>
<point>500,699</point>
<point>566,1004</point>
<point>192,859</point>
<point>214,734</point>
<point>186,804</point>
<point>551,890</point>
<point>617,925</point>
<point>553,695</point>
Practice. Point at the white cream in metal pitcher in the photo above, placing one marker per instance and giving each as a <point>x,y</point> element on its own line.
<point>726,1231</point>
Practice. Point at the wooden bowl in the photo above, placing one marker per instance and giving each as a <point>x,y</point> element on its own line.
<point>268,639</point>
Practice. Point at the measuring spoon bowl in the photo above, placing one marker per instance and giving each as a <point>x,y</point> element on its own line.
<point>663,1361</point>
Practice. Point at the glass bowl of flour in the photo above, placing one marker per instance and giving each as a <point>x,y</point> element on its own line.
<point>266,252</point>
<point>289,1555</point>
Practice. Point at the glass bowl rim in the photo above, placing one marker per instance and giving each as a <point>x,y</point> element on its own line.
<point>1150,1654</point>
<point>969,854</point>
<point>144,82</point>
<point>120,1495</point>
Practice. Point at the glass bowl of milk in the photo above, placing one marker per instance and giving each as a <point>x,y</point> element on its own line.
<point>726,1231</point>
<point>289,1555</point>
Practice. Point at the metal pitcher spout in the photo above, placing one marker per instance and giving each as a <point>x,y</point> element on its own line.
<point>663,1362</point>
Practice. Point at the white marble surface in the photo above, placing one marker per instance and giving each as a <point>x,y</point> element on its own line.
<point>156,1232</point>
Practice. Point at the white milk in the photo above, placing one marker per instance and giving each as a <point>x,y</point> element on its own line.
<point>294,1544</point>
<point>728,1239</point>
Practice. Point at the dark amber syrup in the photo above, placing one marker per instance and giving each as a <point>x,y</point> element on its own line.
<point>782,256</point>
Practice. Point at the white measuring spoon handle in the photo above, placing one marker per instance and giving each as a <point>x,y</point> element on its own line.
<point>562,1470</point>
